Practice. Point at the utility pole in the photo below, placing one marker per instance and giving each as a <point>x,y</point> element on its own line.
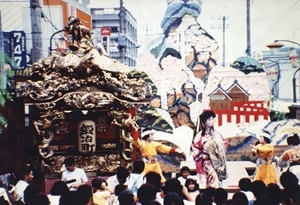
<point>35,12</point>
<point>121,37</point>
<point>224,27</point>
<point>3,79</point>
<point>248,50</point>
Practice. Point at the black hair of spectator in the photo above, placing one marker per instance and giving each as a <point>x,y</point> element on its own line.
<point>119,188</point>
<point>240,198</point>
<point>126,198</point>
<point>209,191</point>
<point>261,200</point>
<point>59,188</point>
<point>155,179</point>
<point>203,199</point>
<point>86,193</point>
<point>231,202</point>
<point>146,192</point>
<point>172,198</point>
<point>274,194</point>
<point>152,202</point>
<point>185,169</point>
<point>97,182</point>
<point>288,179</point>
<point>189,181</point>
<point>40,199</point>
<point>173,185</point>
<point>258,188</point>
<point>29,192</point>
<point>70,198</point>
<point>3,201</point>
<point>220,196</point>
<point>69,161</point>
<point>245,184</point>
<point>18,203</point>
<point>122,173</point>
<point>25,171</point>
<point>291,195</point>
<point>138,166</point>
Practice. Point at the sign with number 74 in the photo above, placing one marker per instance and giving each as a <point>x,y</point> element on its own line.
<point>18,49</point>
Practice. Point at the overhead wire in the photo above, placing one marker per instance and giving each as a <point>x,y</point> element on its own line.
<point>285,13</point>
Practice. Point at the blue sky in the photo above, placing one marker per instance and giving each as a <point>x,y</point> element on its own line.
<point>270,20</point>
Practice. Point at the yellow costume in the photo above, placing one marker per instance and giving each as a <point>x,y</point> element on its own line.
<point>149,154</point>
<point>266,171</point>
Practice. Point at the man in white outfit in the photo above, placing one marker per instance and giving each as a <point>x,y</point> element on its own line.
<point>73,176</point>
<point>26,177</point>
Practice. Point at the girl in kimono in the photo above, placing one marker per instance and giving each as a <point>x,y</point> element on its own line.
<point>149,149</point>
<point>208,150</point>
<point>266,171</point>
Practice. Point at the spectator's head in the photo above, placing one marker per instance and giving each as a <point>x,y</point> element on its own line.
<point>273,194</point>
<point>146,192</point>
<point>173,185</point>
<point>126,198</point>
<point>30,191</point>
<point>258,188</point>
<point>40,199</point>
<point>155,179</point>
<point>59,188</point>
<point>291,195</point>
<point>288,179</point>
<point>70,164</point>
<point>97,182</point>
<point>148,133</point>
<point>185,171</point>
<point>209,192</point>
<point>122,174</point>
<point>240,198</point>
<point>203,199</point>
<point>191,185</point>
<point>119,188</point>
<point>220,196</point>
<point>70,198</point>
<point>172,198</point>
<point>245,184</point>
<point>138,166</point>
<point>86,194</point>
<point>26,174</point>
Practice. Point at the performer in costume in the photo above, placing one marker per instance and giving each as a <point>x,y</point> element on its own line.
<point>209,152</point>
<point>291,157</point>
<point>266,171</point>
<point>149,148</point>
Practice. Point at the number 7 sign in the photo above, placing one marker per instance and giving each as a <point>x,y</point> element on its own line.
<point>18,49</point>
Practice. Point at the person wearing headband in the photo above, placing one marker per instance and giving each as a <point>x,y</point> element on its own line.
<point>266,171</point>
<point>149,148</point>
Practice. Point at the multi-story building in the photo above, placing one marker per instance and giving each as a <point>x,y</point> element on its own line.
<point>16,16</point>
<point>121,44</point>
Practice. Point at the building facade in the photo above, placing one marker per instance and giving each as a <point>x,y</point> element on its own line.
<point>54,16</point>
<point>121,44</point>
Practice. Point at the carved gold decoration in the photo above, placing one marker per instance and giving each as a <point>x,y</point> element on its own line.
<point>108,145</point>
<point>102,163</point>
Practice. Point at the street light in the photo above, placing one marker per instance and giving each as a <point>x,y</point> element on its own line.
<point>274,73</point>
<point>275,47</point>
